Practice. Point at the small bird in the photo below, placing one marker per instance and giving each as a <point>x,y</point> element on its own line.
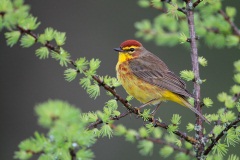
<point>147,78</point>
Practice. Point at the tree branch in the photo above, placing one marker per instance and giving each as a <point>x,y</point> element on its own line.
<point>214,30</point>
<point>22,30</point>
<point>195,68</point>
<point>114,93</point>
<point>183,10</point>
<point>195,4</point>
<point>72,154</point>
<point>214,141</point>
<point>162,9</point>
<point>163,142</point>
<point>233,25</point>
<point>154,140</point>
<point>2,14</point>
<point>99,121</point>
<point>234,98</point>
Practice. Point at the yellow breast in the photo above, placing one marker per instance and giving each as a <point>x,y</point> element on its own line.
<point>141,90</point>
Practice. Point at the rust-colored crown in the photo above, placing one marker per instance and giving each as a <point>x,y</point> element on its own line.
<point>129,43</point>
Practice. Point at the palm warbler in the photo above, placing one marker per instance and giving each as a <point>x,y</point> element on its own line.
<point>147,78</point>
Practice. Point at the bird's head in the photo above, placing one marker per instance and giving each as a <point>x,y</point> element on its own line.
<point>129,49</point>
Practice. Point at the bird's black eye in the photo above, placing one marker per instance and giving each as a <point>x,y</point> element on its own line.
<point>131,49</point>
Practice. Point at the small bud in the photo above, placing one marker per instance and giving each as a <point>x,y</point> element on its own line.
<point>190,5</point>
<point>197,136</point>
<point>199,81</point>
<point>197,128</point>
<point>210,135</point>
<point>224,132</point>
<point>74,145</point>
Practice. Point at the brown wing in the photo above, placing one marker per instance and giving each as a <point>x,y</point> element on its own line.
<point>154,71</point>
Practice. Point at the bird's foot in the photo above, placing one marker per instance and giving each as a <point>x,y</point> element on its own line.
<point>155,110</point>
<point>138,112</point>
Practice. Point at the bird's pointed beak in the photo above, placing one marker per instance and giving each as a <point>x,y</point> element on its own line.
<point>118,49</point>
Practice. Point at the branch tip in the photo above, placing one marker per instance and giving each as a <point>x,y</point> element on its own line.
<point>232,24</point>
<point>195,4</point>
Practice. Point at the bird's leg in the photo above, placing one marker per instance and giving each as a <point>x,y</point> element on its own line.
<point>155,110</point>
<point>145,104</point>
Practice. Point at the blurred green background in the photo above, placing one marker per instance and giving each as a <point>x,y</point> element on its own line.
<point>93,29</point>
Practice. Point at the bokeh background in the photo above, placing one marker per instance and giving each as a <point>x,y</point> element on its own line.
<point>93,29</point>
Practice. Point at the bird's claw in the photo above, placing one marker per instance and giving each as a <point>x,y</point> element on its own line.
<point>138,112</point>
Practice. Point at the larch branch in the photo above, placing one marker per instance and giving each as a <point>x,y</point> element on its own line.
<point>232,24</point>
<point>163,142</point>
<point>195,4</point>
<point>214,141</point>
<point>195,68</point>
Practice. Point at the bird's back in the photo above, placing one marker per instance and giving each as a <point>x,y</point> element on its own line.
<point>153,70</point>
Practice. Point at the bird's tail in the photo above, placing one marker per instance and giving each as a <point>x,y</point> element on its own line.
<point>188,105</point>
<point>180,99</point>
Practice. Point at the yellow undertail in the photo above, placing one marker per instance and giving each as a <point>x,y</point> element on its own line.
<point>180,100</point>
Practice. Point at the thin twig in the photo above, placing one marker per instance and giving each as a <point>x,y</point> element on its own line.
<point>162,9</point>
<point>72,154</point>
<point>214,30</point>
<point>22,30</point>
<point>183,10</point>
<point>214,141</point>
<point>2,14</point>
<point>163,142</point>
<point>114,93</point>
<point>195,4</point>
<point>234,98</point>
<point>99,121</point>
<point>233,25</point>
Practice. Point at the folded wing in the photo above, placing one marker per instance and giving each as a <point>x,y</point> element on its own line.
<point>154,71</point>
